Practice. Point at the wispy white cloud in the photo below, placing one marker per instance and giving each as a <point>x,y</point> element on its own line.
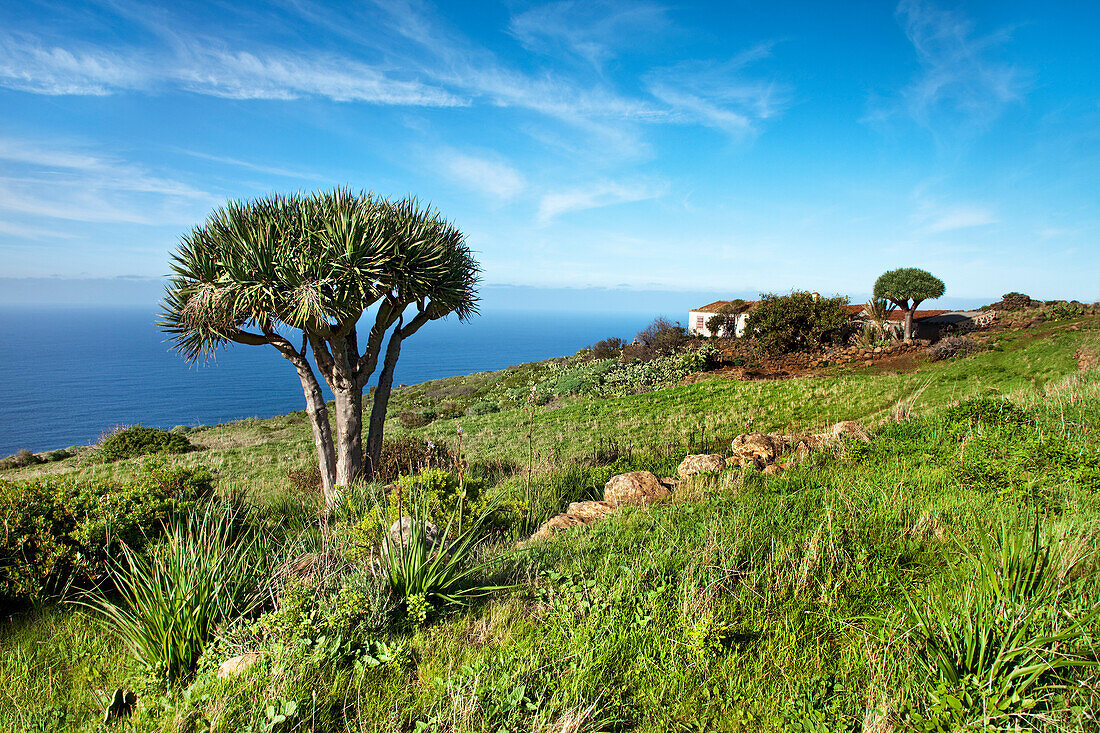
<point>596,195</point>
<point>203,66</point>
<point>25,231</point>
<point>935,218</point>
<point>492,178</point>
<point>259,168</point>
<point>59,181</point>
<point>594,31</point>
<point>720,95</point>
<point>961,78</point>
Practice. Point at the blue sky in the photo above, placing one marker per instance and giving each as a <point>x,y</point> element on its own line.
<point>729,147</point>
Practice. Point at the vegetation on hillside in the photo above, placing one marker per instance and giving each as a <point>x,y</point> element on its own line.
<point>942,576</point>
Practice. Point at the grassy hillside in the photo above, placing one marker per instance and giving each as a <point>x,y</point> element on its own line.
<point>816,600</point>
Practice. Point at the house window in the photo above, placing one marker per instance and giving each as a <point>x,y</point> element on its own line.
<point>700,323</point>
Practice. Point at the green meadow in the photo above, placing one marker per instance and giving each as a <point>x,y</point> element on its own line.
<point>940,577</point>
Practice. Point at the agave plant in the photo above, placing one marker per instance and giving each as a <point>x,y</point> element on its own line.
<point>429,574</point>
<point>166,604</point>
<point>997,649</point>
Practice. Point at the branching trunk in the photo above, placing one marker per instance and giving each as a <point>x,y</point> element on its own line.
<point>349,434</point>
<point>322,432</point>
<point>381,401</point>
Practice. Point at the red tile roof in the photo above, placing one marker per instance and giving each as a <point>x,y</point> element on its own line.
<point>897,315</point>
<point>713,307</point>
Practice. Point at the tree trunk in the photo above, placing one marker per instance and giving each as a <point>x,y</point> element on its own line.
<point>322,432</point>
<point>381,402</point>
<point>909,324</point>
<point>349,434</point>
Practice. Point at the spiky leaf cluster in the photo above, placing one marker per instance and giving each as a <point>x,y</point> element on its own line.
<point>313,262</point>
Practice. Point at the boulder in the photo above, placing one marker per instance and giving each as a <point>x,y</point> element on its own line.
<point>695,464</point>
<point>759,449</point>
<point>236,666</point>
<point>636,487</point>
<point>772,469</point>
<point>590,509</point>
<point>851,429</point>
<point>401,532</point>
<point>578,514</point>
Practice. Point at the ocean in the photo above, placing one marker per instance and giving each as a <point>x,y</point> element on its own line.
<point>69,374</point>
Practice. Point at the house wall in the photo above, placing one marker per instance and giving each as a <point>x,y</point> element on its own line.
<point>697,323</point>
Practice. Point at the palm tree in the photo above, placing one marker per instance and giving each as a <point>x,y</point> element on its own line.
<point>299,272</point>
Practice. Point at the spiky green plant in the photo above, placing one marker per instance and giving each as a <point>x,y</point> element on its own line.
<point>431,576</point>
<point>992,646</point>
<point>165,604</point>
<point>298,273</point>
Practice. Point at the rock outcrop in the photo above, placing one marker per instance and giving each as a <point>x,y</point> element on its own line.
<point>578,514</point>
<point>636,487</point>
<point>401,532</point>
<point>696,464</point>
<point>236,666</point>
<point>757,449</point>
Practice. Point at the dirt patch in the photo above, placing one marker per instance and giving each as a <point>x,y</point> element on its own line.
<point>1086,358</point>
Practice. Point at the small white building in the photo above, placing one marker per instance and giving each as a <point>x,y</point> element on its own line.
<point>697,319</point>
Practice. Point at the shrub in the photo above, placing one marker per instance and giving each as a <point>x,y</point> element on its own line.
<point>412,420</point>
<point>168,603</point>
<point>59,455</point>
<point>659,338</point>
<point>305,480</point>
<point>799,322</point>
<point>609,348</point>
<point>987,411</point>
<point>21,459</point>
<point>138,440</point>
<point>407,455</point>
<point>483,408</point>
<point>724,322</point>
<point>58,529</point>
<point>950,347</point>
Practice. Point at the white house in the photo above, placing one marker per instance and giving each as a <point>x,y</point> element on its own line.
<point>697,319</point>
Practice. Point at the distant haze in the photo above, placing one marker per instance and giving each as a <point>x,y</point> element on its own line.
<point>147,292</point>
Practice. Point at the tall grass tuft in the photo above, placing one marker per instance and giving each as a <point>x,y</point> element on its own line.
<point>165,604</point>
<point>993,647</point>
<point>429,576</point>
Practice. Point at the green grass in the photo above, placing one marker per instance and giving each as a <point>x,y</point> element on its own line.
<point>747,603</point>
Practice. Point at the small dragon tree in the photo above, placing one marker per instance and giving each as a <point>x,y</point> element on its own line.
<point>907,288</point>
<point>258,271</point>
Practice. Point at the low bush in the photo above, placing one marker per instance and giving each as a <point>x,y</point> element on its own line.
<point>660,338</point>
<point>138,440</point>
<point>305,480</point>
<point>950,347</point>
<point>166,604</point>
<point>412,420</point>
<point>1013,302</point>
<point>483,408</point>
<point>608,348</point>
<point>22,459</point>
<point>986,411</point>
<point>799,321</point>
<point>408,455</point>
<point>612,378</point>
<point>55,530</point>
